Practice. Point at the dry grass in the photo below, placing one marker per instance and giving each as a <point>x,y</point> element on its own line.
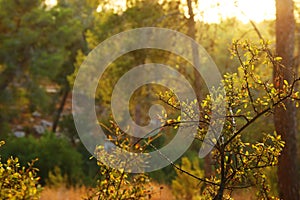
<point>63,193</point>
<point>158,192</point>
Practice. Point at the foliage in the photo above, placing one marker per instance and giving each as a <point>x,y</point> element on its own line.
<point>56,179</point>
<point>183,186</point>
<point>115,183</point>
<point>238,162</point>
<point>51,151</point>
<point>35,53</point>
<point>41,46</point>
<point>18,182</point>
<point>240,156</point>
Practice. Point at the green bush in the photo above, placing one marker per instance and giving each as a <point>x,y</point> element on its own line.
<point>89,166</point>
<point>51,152</point>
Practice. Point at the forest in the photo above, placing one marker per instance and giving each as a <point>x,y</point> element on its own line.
<point>149,99</point>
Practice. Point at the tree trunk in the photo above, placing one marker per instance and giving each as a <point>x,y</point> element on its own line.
<point>65,92</point>
<point>285,119</point>
<point>197,83</point>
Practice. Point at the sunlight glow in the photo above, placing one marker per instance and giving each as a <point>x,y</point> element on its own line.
<point>257,10</point>
<point>212,11</point>
<point>115,5</point>
<point>51,2</point>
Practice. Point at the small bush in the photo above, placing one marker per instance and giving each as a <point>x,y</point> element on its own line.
<point>17,182</point>
<point>51,152</point>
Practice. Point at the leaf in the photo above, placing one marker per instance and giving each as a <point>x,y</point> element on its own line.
<point>278,59</point>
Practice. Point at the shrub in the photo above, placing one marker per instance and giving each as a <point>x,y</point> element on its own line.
<point>51,152</point>
<point>18,182</point>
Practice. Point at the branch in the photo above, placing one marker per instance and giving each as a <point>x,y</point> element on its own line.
<point>173,123</point>
<point>263,112</point>
<point>182,170</point>
<point>246,78</point>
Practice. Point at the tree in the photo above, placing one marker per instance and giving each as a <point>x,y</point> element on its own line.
<point>37,44</point>
<point>285,115</point>
<point>239,160</point>
<point>241,156</point>
<point>197,84</point>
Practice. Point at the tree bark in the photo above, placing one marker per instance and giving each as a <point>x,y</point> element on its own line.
<point>285,119</point>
